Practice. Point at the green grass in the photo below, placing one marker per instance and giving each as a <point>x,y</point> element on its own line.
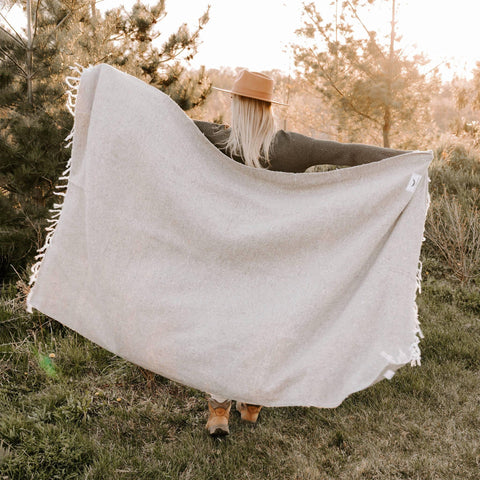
<point>87,413</point>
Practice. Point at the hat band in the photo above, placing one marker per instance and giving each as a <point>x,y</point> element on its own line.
<point>248,92</point>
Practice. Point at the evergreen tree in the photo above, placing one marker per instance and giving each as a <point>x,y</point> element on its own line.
<point>468,94</point>
<point>369,83</point>
<point>125,39</point>
<point>466,122</point>
<point>33,118</point>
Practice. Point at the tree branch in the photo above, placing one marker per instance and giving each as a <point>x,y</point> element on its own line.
<point>436,66</point>
<point>36,19</point>
<point>66,16</point>
<point>342,95</point>
<point>193,37</point>
<point>12,59</point>
<point>21,44</point>
<point>58,24</point>
<point>370,34</point>
<point>21,39</point>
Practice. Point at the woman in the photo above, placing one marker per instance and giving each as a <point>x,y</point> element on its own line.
<point>254,140</point>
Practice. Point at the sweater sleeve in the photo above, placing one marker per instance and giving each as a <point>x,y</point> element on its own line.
<point>209,129</point>
<point>295,152</point>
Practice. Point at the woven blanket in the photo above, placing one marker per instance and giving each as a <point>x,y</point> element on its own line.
<point>267,287</point>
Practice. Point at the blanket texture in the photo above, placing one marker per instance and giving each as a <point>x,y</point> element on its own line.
<point>267,287</point>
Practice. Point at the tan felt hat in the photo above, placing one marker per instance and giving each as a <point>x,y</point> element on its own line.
<point>253,85</point>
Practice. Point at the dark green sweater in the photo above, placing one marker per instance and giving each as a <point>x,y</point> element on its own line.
<point>293,152</point>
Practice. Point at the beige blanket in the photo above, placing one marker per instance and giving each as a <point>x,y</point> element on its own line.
<point>267,287</point>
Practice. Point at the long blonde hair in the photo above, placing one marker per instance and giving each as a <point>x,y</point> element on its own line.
<point>253,130</point>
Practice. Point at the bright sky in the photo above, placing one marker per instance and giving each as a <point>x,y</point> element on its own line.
<point>254,34</point>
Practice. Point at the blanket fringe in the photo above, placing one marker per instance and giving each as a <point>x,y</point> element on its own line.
<point>73,82</point>
<point>415,356</point>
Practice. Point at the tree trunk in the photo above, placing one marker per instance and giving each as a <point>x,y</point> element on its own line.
<point>94,17</point>
<point>387,117</point>
<point>288,99</point>
<point>29,53</point>
<point>386,127</point>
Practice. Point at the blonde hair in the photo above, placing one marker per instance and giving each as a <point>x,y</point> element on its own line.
<point>253,130</point>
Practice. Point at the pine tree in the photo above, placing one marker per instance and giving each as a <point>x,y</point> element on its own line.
<point>33,118</point>
<point>467,102</point>
<point>468,94</point>
<point>370,84</point>
<point>125,39</point>
<point>32,128</point>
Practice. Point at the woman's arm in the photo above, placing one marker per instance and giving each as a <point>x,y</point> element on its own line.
<point>215,132</point>
<point>294,152</point>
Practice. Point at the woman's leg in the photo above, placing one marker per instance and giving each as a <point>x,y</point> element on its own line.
<point>219,409</point>
<point>248,411</point>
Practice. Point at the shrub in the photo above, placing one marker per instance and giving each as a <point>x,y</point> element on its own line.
<point>453,227</point>
<point>455,170</point>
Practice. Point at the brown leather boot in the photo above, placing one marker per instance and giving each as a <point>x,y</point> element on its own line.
<point>249,412</point>
<point>217,424</point>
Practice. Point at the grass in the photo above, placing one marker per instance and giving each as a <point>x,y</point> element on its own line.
<point>71,410</point>
<point>86,413</point>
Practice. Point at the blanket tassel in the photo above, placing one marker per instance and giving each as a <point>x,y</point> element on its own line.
<point>73,83</point>
<point>415,348</point>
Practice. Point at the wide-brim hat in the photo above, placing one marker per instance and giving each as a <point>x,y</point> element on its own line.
<point>253,85</point>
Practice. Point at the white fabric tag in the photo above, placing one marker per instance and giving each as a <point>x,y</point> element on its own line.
<point>413,182</point>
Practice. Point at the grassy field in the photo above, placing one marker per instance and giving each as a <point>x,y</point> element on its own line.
<point>69,409</point>
<point>88,414</point>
